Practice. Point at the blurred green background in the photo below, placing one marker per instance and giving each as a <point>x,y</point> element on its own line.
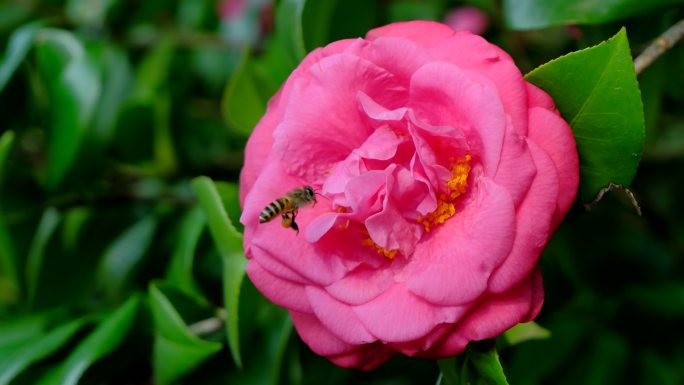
<point>109,274</point>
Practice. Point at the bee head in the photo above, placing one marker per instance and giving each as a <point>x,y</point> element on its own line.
<point>310,193</point>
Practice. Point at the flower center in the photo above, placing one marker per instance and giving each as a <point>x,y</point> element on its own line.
<point>456,186</point>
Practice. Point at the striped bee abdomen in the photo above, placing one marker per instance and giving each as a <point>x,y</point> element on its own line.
<point>274,208</point>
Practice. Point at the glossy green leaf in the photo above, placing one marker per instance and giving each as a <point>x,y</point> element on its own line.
<point>242,104</point>
<point>46,228</point>
<point>106,338</point>
<point>177,351</point>
<point>524,332</point>
<point>230,195</point>
<point>596,91</point>
<point>229,243</point>
<point>18,46</point>
<point>316,19</point>
<point>124,255</point>
<point>6,142</point>
<point>290,33</point>
<point>484,364</point>
<point>180,272</point>
<point>530,14</point>
<point>37,349</point>
<point>73,84</point>
<point>448,372</point>
<point>9,280</point>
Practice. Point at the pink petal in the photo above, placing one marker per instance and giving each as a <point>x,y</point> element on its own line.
<point>266,242</point>
<point>492,317</point>
<point>553,134</point>
<point>317,337</point>
<point>400,56</point>
<point>492,62</point>
<point>361,285</point>
<point>442,94</point>
<point>422,32</point>
<point>533,224</point>
<point>452,265</point>
<point>282,292</point>
<point>516,169</point>
<point>536,97</point>
<point>398,316</point>
<point>323,122</point>
<point>260,142</point>
<point>338,317</point>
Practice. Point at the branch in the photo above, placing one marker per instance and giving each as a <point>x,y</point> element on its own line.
<point>659,46</point>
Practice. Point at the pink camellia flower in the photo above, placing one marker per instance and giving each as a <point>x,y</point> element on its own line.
<point>440,173</point>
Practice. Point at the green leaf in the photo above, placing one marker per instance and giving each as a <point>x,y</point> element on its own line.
<point>484,361</point>
<point>37,349</point>
<point>316,20</point>
<point>289,33</point>
<point>530,14</point>
<point>448,373</point>
<point>229,243</point>
<point>242,105</point>
<point>73,83</point>
<point>6,142</point>
<point>9,279</point>
<point>124,255</point>
<point>177,351</point>
<point>19,45</point>
<point>524,332</point>
<point>46,228</point>
<point>180,272</point>
<point>108,335</point>
<point>596,91</point>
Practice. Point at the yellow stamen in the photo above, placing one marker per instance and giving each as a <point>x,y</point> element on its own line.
<point>456,186</point>
<point>379,249</point>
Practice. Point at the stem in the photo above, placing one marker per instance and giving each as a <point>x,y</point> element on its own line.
<point>659,46</point>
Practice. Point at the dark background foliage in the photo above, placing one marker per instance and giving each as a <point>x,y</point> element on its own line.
<point>108,274</point>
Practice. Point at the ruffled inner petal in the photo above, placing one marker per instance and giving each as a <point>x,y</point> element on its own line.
<point>443,95</point>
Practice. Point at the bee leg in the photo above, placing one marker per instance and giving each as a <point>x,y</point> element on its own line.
<point>294,224</point>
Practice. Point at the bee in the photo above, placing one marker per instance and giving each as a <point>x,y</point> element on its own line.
<point>288,205</point>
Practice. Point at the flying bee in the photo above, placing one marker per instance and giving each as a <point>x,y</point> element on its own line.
<point>288,205</point>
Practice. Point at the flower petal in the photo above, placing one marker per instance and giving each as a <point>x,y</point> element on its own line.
<point>323,122</point>
<point>338,317</point>
<point>492,317</point>
<point>452,266</point>
<point>442,94</point>
<point>397,315</point>
<point>552,133</point>
<point>361,285</point>
<point>533,224</point>
<point>516,169</point>
<point>422,32</point>
<point>280,291</point>
<point>492,62</point>
<point>260,141</point>
<point>317,337</point>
